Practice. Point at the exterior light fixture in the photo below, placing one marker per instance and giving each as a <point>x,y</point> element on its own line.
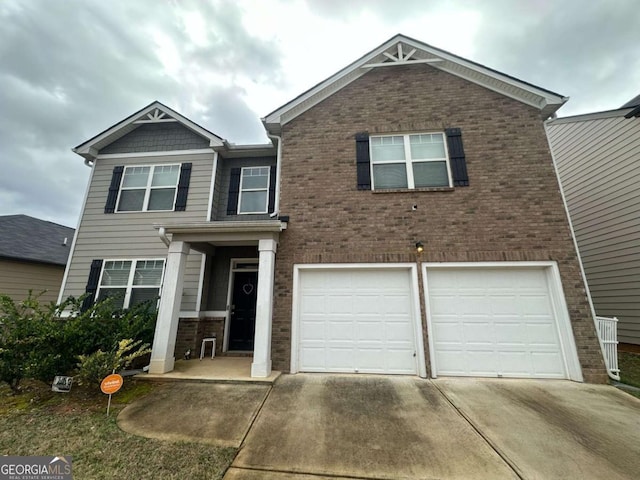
<point>419,247</point>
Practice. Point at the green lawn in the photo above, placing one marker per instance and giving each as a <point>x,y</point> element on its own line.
<point>40,422</point>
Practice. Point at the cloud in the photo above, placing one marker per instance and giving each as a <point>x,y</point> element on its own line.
<point>71,69</point>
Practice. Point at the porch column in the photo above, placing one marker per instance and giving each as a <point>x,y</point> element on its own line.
<point>164,340</point>
<point>261,366</point>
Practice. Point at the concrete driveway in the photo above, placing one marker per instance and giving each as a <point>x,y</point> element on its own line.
<point>379,427</point>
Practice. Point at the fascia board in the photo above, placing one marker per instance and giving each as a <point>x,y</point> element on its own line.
<point>85,148</point>
<point>544,98</point>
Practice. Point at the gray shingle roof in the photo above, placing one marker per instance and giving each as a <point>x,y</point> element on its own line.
<point>27,238</point>
<point>634,102</point>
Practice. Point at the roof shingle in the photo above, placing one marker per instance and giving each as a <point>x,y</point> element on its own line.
<point>30,239</point>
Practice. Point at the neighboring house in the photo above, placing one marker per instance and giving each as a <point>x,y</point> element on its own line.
<point>33,254</point>
<point>598,160</point>
<point>303,251</point>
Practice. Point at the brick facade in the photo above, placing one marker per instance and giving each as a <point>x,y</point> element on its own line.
<point>191,331</point>
<point>512,210</point>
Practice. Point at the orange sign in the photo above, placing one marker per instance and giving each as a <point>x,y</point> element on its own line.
<point>111,384</point>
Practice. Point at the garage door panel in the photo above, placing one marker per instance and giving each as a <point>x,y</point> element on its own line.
<point>364,320</point>
<point>493,322</point>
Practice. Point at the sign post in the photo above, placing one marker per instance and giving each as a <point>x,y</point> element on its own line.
<point>110,385</point>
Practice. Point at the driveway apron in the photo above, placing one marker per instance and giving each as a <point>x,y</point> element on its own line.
<point>554,429</point>
<point>379,427</point>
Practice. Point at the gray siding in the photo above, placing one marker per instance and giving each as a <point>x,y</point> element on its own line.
<point>131,235</point>
<point>222,185</point>
<point>157,137</point>
<point>598,162</point>
<point>17,278</point>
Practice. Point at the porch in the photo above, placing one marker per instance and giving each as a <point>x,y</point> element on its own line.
<point>235,295</point>
<point>218,370</point>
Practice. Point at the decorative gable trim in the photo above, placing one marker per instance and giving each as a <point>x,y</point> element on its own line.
<point>402,50</point>
<point>155,112</point>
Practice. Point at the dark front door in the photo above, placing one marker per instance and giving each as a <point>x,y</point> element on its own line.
<point>243,311</point>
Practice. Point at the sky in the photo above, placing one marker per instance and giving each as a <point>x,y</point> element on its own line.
<point>71,68</point>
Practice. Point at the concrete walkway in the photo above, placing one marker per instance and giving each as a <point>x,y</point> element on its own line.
<point>218,414</point>
<point>321,427</point>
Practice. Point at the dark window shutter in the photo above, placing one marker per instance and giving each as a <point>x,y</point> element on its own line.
<point>92,284</point>
<point>272,188</point>
<point>112,198</point>
<point>362,161</point>
<point>183,187</point>
<point>456,157</point>
<point>234,191</point>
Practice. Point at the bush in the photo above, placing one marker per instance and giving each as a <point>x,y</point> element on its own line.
<point>35,342</point>
<point>95,366</point>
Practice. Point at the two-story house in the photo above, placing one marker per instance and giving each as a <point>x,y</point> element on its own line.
<point>598,160</point>
<point>406,218</point>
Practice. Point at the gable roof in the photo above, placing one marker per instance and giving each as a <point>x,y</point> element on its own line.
<point>155,112</point>
<point>33,240</point>
<point>403,50</point>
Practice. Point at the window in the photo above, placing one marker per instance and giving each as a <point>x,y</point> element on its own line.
<point>409,161</point>
<point>130,282</point>
<point>254,190</point>
<point>148,188</point>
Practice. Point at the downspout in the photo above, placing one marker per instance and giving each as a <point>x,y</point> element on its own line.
<point>89,163</point>
<point>276,204</point>
<point>163,236</point>
<point>575,245</point>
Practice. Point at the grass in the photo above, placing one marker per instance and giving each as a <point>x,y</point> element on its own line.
<point>629,364</point>
<point>40,422</point>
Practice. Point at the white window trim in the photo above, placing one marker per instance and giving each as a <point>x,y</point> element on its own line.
<point>266,189</point>
<point>129,287</point>
<point>408,161</point>
<point>148,188</point>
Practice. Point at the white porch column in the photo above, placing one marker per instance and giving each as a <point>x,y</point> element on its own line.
<point>261,366</point>
<point>164,341</point>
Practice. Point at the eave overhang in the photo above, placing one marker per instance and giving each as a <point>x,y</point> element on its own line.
<point>155,112</point>
<point>402,50</point>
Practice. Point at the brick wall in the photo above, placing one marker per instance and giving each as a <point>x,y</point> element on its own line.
<point>191,331</point>
<point>512,210</point>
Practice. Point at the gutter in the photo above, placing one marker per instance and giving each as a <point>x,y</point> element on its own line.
<point>276,204</point>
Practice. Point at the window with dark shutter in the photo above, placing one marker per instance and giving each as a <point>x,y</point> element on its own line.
<point>363,161</point>
<point>112,197</point>
<point>456,157</point>
<point>183,187</point>
<point>92,284</point>
<point>234,191</point>
<point>272,188</point>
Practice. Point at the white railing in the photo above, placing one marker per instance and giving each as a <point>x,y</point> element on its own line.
<point>608,334</point>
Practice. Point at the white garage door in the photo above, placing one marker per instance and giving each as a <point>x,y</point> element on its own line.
<point>356,321</point>
<point>493,322</point>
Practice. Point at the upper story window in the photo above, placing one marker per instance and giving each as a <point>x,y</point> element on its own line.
<point>148,188</point>
<point>409,161</point>
<point>254,190</point>
<point>130,282</point>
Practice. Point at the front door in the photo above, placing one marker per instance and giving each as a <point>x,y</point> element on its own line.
<point>243,311</point>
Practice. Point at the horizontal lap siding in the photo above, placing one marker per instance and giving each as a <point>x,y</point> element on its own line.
<point>598,164</point>
<point>17,278</point>
<point>131,235</point>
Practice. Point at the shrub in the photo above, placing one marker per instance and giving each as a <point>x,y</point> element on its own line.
<point>35,342</point>
<point>94,367</point>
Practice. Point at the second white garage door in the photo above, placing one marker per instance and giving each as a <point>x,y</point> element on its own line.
<point>494,322</point>
<point>356,321</point>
